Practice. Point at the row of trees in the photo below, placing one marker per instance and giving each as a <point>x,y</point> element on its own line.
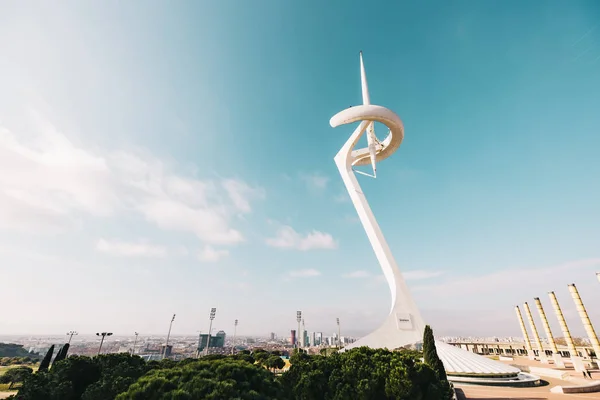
<point>12,350</point>
<point>361,373</point>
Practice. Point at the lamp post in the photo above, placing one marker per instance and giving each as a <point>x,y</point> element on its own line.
<point>235,323</point>
<point>103,334</point>
<point>70,335</point>
<point>213,312</point>
<point>134,343</point>
<point>168,336</point>
<point>298,319</point>
<point>339,336</point>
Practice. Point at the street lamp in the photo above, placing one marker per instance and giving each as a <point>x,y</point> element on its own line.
<point>298,319</point>
<point>339,336</point>
<point>168,336</point>
<point>235,323</point>
<point>70,335</point>
<point>134,343</point>
<point>103,334</point>
<point>213,311</point>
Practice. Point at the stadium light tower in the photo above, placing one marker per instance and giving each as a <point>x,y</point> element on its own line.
<point>339,336</point>
<point>103,334</point>
<point>168,336</point>
<point>134,343</point>
<point>70,335</point>
<point>298,319</point>
<point>213,312</point>
<point>235,323</point>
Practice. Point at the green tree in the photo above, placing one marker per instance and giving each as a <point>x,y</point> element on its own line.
<point>62,354</point>
<point>431,358</point>
<point>430,354</point>
<point>15,375</point>
<point>225,378</point>
<point>46,361</point>
<point>84,378</point>
<point>274,362</point>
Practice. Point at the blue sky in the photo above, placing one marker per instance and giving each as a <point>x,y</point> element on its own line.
<point>160,158</point>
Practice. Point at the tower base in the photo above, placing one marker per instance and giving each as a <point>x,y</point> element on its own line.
<point>398,330</point>
<point>558,360</point>
<point>578,364</point>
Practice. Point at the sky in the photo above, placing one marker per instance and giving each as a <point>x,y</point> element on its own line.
<point>168,157</point>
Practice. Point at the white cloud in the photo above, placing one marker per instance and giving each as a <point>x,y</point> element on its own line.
<point>48,183</point>
<point>128,249</point>
<point>240,194</point>
<point>357,274</point>
<point>288,238</point>
<point>304,273</point>
<point>315,180</point>
<point>518,279</point>
<point>210,254</point>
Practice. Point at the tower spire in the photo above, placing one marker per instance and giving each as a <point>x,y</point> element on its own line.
<point>363,81</point>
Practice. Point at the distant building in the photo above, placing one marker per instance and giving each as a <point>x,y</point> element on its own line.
<point>215,341</point>
<point>272,335</point>
<point>293,337</point>
<point>168,352</point>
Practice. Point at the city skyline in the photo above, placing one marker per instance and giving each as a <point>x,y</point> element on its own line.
<point>146,172</point>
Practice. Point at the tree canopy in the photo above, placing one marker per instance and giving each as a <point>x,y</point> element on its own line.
<point>361,374</point>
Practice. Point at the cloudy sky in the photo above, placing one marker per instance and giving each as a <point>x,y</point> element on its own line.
<point>160,158</point>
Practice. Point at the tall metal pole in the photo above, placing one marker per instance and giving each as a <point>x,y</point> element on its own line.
<point>555,353</point>
<point>587,324</point>
<point>536,335</point>
<point>168,336</point>
<point>525,335</point>
<point>103,334</point>
<point>213,311</point>
<point>70,334</point>
<point>298,319</point>
<point>339,335</point>
<point>134,343</point>
<point>575,359</point>
<point>235,324</point>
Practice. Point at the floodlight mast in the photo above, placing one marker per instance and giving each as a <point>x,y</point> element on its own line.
<point>103,334</point>
<point>235,324</point>
<point>134,343</point>
<point>168,336</point>
<point>213,312</point>
<point>404,325</point>
<point>71,334</point>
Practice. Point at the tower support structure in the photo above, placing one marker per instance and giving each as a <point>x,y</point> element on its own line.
<point>576,360</point>
<point>536,335</point>
<point>525,334</point>
<point>585,319</point>
<point>404,324</point>
<point>558,362</point>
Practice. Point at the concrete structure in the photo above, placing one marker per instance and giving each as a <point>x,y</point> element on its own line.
<point>525,334</point>
<point>575,358</point>
<point>558,362</point>
<point>585,319</point>
<point>514,348</point>
<point>470,368</point>
<point>404,325</point>
<point>536,335</point>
